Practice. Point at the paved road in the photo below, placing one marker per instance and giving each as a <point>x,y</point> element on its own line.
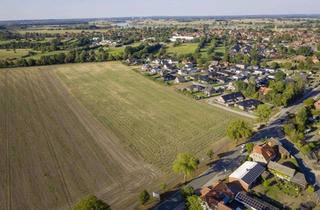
<point>231,160</point>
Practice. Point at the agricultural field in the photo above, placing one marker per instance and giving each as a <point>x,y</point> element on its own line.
<point>54,152</point>
<point>152,121</point>
<point>101,128</point>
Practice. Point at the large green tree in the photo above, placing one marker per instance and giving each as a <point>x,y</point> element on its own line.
<point>91,203</point>
<point>264,112</point>
<point>186,164</point>
<point>194,203</point>
<point>239,130</point>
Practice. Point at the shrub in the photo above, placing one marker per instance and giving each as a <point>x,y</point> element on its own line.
<point>187,191</point>
<point>249,147</point>
<point>91,203</point>
<point>144,197</point>
<point>310,189</point>
<point>266,183</point>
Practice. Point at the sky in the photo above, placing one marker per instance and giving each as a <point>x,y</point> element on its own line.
<point>57,9</point>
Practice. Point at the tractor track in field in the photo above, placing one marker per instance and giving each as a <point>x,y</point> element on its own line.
<point>6,125</point>
<point>50,146</point>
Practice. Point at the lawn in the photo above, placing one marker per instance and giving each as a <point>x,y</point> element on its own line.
<point>11,54</point>
<point>182,49</point>
<point>152,121</point>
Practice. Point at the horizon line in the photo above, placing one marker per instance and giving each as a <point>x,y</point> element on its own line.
<point>167,16</point>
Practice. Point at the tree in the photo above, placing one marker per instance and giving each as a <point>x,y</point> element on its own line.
<point>264,112</point>
<point>186,164</point>
<point>91,203</point>
<point>249,147</point>
<point>144,197</point>
<point>280,76</point>
<point>187,191</point>
<point>194,203</point>
<point>239,130</point>
<point>301,119</point>
<point>210,154</point>
<point>309,103</point>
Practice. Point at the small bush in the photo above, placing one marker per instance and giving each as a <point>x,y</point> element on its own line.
<point>266,183</point>
<point>144,197</point>
<point>310,189</point>
<point>187,191</point>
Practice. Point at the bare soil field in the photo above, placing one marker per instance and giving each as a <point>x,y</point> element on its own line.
<point>53,152</point>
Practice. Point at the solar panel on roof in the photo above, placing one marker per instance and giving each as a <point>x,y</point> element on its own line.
<point>251,202</point>
<point>253,174</point>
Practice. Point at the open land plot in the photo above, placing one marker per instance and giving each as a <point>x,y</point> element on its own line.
<point>183,49</point>
<point>78,129</point>
<point>54,152</point>
<point>152,121</point>
<point>11,54</point>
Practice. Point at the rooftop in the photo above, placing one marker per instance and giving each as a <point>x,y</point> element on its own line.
<point>249,171</point>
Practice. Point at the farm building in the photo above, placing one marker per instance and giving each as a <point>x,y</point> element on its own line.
<point>247,174</point>
<point>287,173</point>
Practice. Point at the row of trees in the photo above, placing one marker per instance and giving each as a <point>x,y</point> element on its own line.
<point>78,56</point>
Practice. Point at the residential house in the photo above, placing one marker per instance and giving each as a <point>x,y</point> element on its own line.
<point>253,203</point>
<point>220,195</point>
<point>168,77</point>
<point>263,153</point>
<point>287,173</point>
<point>231,98</point>
<point>195,87</point>
<point>241,66</point>
<point>279,149</point>
<point>249,105</point>
<point>213,90</point>
<point>247,174</point>
<point>180,79</point>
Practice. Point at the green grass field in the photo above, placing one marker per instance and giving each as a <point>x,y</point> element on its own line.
<point>10,54</point>
<point>182,49</point>
<point>153,121</point>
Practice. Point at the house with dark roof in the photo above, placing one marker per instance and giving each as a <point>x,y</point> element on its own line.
<point>247,174</point>
<point>249,105</point>
<point>253,203</point>
<point>231,98</point>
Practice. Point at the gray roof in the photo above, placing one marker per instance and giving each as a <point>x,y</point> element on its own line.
<point>281,169</point>
<point>232,96</point>
<point>299,179</point>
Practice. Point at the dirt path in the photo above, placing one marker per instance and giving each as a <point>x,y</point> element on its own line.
<point>56,152</point>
